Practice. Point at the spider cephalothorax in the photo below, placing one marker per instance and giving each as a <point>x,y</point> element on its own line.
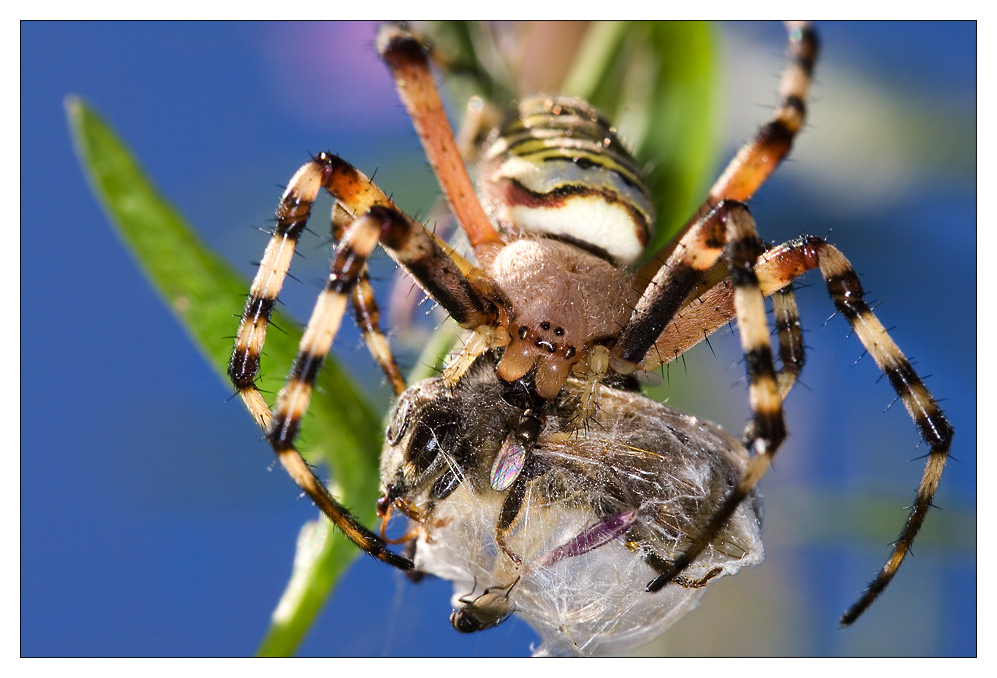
<point>563,303</point>
<point>556,317</point>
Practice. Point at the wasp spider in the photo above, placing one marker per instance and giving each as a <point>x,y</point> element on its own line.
<point>557,307</point>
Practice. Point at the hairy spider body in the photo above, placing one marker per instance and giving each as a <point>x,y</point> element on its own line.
<point>557,318</point>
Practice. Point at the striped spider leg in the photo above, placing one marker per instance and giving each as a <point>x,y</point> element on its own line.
<point>367,313</point>
<point>698,249</point>
<point>723,229</point>
<point>727,231</point>
<point>776,269</point>
<point>377,220</point>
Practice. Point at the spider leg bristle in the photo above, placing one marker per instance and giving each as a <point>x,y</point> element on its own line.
<point>709,344</point>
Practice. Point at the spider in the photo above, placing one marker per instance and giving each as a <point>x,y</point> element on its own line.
<point>560,295</point>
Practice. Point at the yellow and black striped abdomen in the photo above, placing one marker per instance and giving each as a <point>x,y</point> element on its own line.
<point>556,167</point>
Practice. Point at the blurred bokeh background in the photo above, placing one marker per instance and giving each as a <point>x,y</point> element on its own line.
<point>153,521</point>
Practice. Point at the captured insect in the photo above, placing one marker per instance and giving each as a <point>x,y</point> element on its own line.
<point>533,469</point>
<point>598,513</point>
<point>489,609</point>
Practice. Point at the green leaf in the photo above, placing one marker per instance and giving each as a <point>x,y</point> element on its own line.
<point>683,140</point>
<point>203,292</point>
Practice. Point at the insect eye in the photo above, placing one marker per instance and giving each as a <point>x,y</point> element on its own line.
<point>427,442</point>
<point>464,622</point>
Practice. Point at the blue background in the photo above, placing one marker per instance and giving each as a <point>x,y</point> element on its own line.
<point>151,523</point>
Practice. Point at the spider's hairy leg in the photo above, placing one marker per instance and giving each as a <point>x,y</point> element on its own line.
<point>292,216</point>
<point>406,241</point>
<point>351,257</point>
<point>440,274</point>
<point>767,429</point>
<point>790,336</point>
<point>410,245</point>
<point>414,248</point>
<point>368,317</point>
<point>355,194</point>
<point>367,313</point>
<point>711,306</point>
<point>695,254</point>
<point>776,270</point>
<point>845,289</point>
<point>755,162</point>
<point>408,60</point>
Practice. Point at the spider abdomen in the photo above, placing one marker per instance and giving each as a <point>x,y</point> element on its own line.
<point>557,167</point>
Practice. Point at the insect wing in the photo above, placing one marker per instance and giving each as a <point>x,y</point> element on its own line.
<point>508,464</point>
